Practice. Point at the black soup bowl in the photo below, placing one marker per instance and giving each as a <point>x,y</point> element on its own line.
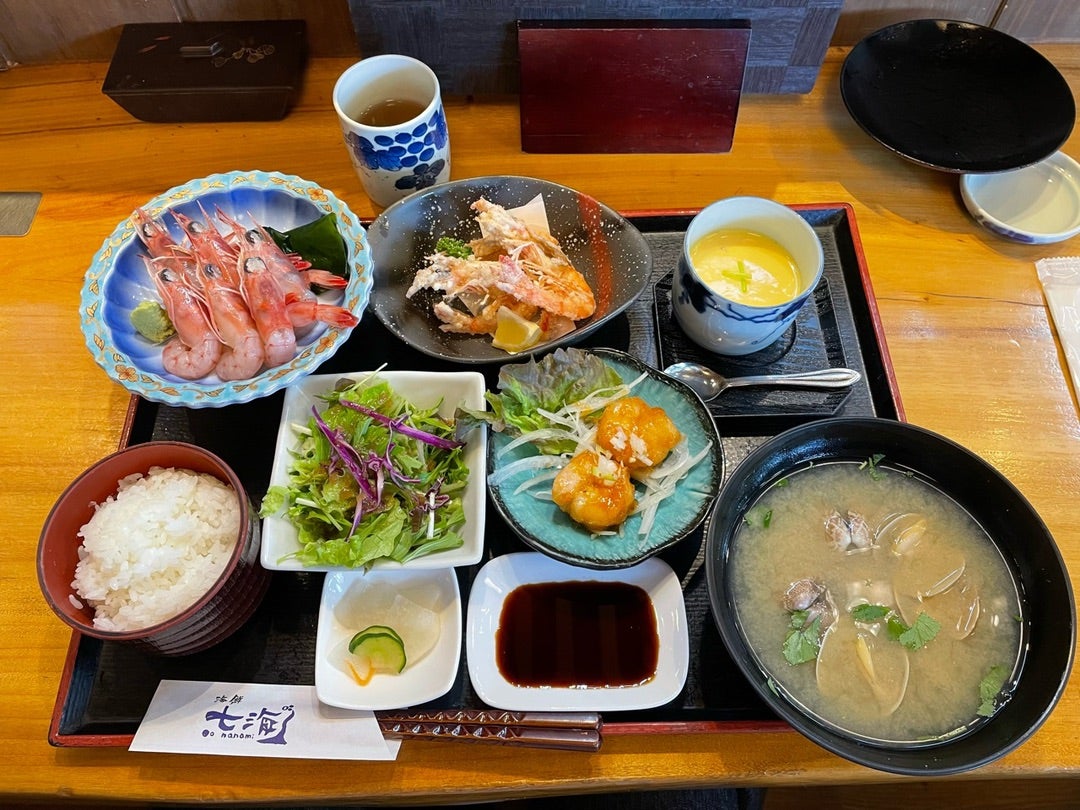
<point>1048,614</point>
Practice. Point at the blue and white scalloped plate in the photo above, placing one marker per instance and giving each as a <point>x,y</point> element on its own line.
<point>117,282</point>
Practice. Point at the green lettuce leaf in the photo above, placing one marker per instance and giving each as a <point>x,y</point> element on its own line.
<point>558,379</point>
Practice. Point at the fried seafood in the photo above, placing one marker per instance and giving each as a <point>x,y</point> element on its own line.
<point>636,434</point>
<point>514,265</point>
<point>594,491</point>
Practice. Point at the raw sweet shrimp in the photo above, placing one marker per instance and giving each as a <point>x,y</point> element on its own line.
<point>194,351</point>
<point>210,247</point>
<point>266,303</point>
<point>242,355</point>
<point>153,234</point>
<point>301,303</point>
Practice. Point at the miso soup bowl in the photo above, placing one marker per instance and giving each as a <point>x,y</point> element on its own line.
<point>1048,632</point>
<point>729,327</point>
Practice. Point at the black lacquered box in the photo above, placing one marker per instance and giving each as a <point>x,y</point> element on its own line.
<point>208,71</point>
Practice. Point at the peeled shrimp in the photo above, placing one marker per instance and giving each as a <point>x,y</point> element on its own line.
<point>195,350</point>
<point>242,355</point>
<point>594,491</point>
<point>636,434</point>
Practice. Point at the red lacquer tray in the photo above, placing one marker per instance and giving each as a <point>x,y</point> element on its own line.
<point>105,688</point>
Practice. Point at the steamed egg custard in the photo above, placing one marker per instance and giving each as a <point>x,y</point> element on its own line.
<point>876,602</point>
<point>746,267</point>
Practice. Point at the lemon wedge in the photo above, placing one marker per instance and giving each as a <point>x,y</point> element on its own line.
<point>514,333</point>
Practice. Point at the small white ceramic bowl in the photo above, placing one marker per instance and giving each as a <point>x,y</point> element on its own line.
<point>728,327</point>
<point>1037,204</point>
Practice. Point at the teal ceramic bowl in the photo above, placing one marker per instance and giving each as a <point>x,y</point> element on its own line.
<point>546,528</point>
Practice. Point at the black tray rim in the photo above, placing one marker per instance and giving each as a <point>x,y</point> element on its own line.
<point>886,396</point>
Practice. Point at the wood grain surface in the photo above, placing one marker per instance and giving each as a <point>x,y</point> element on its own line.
<point>974,353</point>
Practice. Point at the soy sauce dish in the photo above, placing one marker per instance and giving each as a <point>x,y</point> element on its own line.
<point>890,595</point>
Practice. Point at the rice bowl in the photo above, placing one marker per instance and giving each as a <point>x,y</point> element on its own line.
<point>155,547</point>
<point>219,594</point>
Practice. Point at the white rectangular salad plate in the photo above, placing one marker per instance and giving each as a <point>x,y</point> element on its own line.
<point>499,577</point>
<point>423,389</point>
<point>352,601</point>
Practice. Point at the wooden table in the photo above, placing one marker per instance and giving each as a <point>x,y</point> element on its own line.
<point>975,356</point>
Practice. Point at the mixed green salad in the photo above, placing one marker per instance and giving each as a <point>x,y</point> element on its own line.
<point>373,478</point>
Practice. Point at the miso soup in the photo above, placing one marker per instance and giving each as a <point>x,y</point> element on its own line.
<point>876,602</point>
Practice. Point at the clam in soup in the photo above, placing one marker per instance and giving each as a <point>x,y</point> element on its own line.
<point>876,602</point>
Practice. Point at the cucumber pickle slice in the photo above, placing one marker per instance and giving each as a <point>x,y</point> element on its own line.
<point>381,646</point>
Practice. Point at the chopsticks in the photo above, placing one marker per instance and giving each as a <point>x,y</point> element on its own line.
<point>570,731</point>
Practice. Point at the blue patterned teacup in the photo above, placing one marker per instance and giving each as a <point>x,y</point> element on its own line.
<point>391,115</point>
<point>725,326</point>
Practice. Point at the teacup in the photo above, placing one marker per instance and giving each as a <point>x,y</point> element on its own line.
<point>391,115</point>
<point>713,312</point>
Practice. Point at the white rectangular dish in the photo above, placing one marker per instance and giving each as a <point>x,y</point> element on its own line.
<point>423,389</point>
<point>498,579</point>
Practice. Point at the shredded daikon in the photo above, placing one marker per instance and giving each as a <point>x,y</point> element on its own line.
<point>658,483</point>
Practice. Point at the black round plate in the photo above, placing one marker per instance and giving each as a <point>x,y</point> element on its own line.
<point>957,96</point>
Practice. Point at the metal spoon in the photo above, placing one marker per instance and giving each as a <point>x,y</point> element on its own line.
<point>708,384</point>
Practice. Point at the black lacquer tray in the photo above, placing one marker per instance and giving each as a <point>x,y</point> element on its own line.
<point>105,688</point>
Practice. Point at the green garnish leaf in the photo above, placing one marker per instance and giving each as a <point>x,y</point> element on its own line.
<point>921,633</point>
<point>870,613</point>
<point>318,242</point>
<point>913,637</point>
<point>802,643</point>
<point>989,687</point>
<point>758,517</point>
<point>871,465</point>
<point>527,389</point>
<point>453,247</point>
<point>741,276</point>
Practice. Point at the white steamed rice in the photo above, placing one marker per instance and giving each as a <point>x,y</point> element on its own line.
<point>155,548</point>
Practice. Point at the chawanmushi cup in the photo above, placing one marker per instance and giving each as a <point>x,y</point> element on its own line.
<point>729,327</point>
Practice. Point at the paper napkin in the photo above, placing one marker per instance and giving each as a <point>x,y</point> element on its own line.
<point>1060,277</point>
<point>257,720</point>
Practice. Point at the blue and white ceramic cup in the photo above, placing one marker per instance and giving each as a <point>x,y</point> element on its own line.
<point>728,327</point>
<point>391,114</point>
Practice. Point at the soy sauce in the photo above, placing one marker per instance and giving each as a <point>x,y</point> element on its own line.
<point>577,634</point>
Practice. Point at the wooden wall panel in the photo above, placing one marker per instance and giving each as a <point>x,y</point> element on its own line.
<point>60,30</point>
<point>57,30</point>
<point>1041,21</point>
<point>861,17</point>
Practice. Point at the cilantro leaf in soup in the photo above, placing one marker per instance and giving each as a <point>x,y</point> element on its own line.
<point>802,643</point>
<point>914,637</point>
<point>921,633</point>
<point>989,687</point>
<point>869,613</point>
